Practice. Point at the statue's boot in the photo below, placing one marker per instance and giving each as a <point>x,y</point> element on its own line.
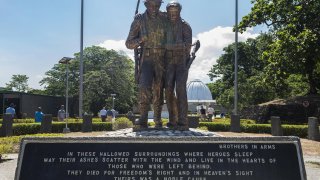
<point>145,98</point>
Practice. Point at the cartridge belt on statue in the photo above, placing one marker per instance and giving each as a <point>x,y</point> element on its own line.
<point>153,51</point>
<point>177,53</point>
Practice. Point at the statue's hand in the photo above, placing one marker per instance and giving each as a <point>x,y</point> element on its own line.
<point>143,39</point>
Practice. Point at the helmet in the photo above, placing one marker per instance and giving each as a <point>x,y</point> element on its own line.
<point>159,1</point>
<point>174,4</point>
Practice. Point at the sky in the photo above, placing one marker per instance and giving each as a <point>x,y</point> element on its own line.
<point>36,34</point>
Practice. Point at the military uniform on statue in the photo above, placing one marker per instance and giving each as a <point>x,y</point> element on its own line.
<point>148,31</point>
<point>179,41</point>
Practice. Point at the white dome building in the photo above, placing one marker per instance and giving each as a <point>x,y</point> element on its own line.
<point>198,94</point>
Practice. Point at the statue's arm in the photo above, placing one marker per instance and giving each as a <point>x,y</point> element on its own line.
<point>133,39</point>
<point>187,36</point>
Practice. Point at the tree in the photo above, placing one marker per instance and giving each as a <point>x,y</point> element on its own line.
<point>296,28</point>
<point>18,83</point>
<point>105,72</point>
<point>253,87</point>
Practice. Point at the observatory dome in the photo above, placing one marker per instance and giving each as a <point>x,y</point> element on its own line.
<point>197,91</point>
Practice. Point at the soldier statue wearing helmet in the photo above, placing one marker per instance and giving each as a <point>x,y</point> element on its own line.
<point>165,41</point>
<point>148,31</point>
<point>179,41</point>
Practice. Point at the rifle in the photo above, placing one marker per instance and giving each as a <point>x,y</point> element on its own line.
<point>196,47</point>
<point>137,54</point>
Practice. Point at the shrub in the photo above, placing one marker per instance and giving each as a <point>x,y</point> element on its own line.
<point>215,126</point>
<point>57,127</point>
<point>256,128</point>
<point>20,121</point>
<point>288,130</point>
<point>26,128</point>
<point>295,130</point>
<point>11,144</point>
<point>122,123</point>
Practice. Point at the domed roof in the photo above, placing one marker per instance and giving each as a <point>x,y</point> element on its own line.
<point>198,91</point>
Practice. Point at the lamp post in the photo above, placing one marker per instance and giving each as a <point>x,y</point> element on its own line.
<point>66,61</point>
<point>235,118</point>
<point>81,63</point>
<point>113,97</point>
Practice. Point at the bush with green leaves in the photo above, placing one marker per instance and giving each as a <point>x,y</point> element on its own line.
<point>288,130</point>
<point>29,120</point>
<point>57,127</point>
<point>122,123</point>
<point>11,144</point>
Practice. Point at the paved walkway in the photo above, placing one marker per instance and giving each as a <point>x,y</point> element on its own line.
<point>7,168</point>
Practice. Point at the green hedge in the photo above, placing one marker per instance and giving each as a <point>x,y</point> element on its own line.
<point>54,119</point>
<point>57,127</point>
<point>295,130</point>
<point>76,125</point>
<point>215,126</point>
<point>288,130</point>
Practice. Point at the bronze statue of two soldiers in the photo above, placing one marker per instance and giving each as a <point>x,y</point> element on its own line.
<point>162,43</point>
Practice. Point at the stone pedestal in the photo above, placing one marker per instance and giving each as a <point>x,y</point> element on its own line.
<point>235,123</point>
<point>193,121</point>
<point>46,124</point>
<point>313,129</point>
<point>276,129</point>
<point>165,158</point>
<point>6,128</point>
<point>87,123</point>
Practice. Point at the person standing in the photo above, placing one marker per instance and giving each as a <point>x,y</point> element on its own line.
<point>148,31</point>
<point>11,110</point>
<point>61,113</point>
<point>38,115</point>
<point>179,41</point>
<point>103,114</point>
<point>110,115</point>
<point>211,112</point>
<point>203,112</point>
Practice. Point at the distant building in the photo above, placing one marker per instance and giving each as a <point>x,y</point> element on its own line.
<point>198,94</point>
<point>26,104</point>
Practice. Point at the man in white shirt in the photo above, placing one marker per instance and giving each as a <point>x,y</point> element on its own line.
<point>61,113</point>
<point>11,110</point>
<point>103,114</point>
<point>210,112</point>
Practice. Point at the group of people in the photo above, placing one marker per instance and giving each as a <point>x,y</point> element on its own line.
<point>207,114</point>
<point>163,41</point>
<point>38,115</point>
<point>108,115</point>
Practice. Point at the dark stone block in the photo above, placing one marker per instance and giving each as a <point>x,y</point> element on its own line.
<point>46,124</point>
<point>219,158</point>
<point>235,123</point>
<point>193,121</point>
<point>87,123</point>
<point>313,129</point>
<point>6,128</point>
<point>276,129</point>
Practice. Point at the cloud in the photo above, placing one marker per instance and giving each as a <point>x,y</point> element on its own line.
<point>212,44</point>
<point>117,46</point>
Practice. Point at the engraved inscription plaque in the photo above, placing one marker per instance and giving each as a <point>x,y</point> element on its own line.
<point>217,158</point>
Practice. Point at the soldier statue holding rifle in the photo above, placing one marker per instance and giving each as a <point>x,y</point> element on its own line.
<point>148,31</point>
<point>162,43</point>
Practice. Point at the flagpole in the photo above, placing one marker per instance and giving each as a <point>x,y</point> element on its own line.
<point>235,118</point>
<point>81,64</point>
